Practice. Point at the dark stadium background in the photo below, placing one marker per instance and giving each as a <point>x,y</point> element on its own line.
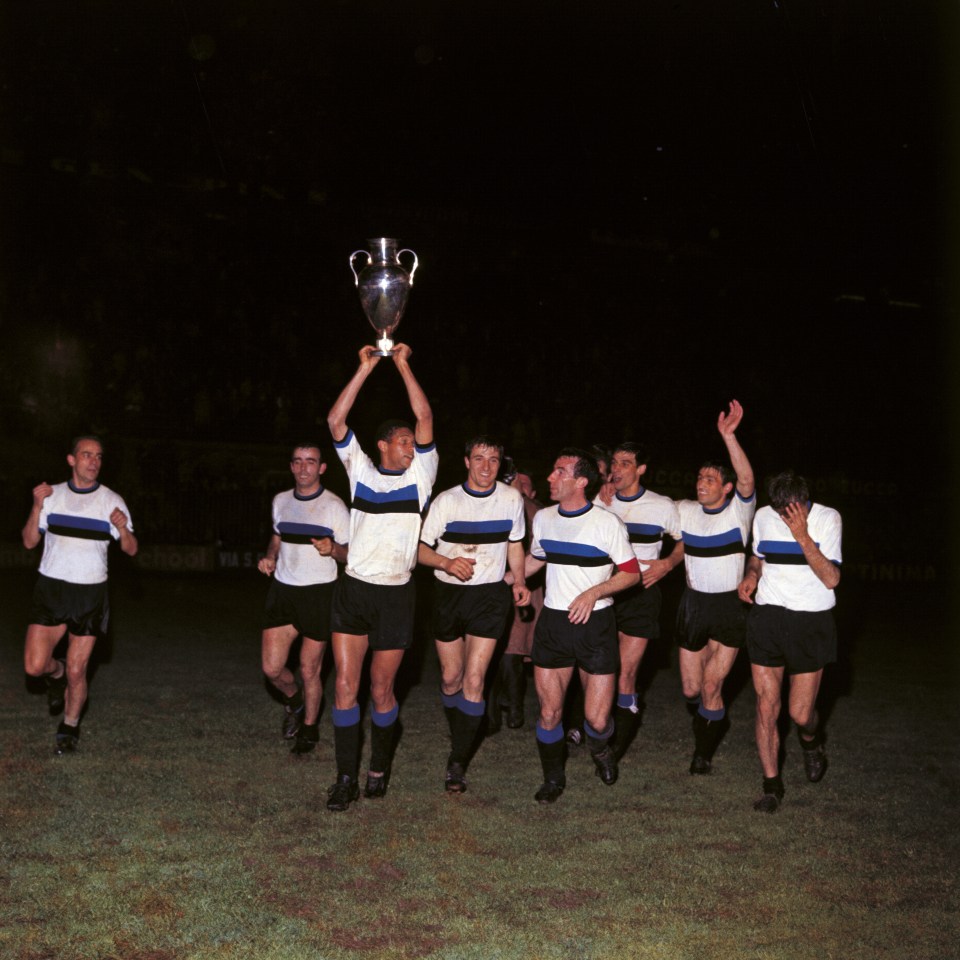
<point>625,216</point>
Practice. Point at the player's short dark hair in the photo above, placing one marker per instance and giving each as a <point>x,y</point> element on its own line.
<point>786,488</point>
<point>586,466</point>
<point>307,445</point>
<point>76,441</point>
<point>631,446</point>
<point>388,428</point>
<point>482,440</point>
<point>600,451</point>
<point>725,470</point>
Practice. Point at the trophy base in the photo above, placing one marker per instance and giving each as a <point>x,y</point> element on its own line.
<point>384,347</point>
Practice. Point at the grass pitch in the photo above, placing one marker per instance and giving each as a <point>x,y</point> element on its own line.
<point>183,828</point>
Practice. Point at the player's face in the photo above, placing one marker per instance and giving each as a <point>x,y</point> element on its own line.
<point>603,468</point>
<point>397,452</point>
<point>711,490</point>
<point>625,473</point>
<point>306,467</point>
<point>86,463</point>
<point>483,464</point>
<point>524,484</point>
<point>564,485</point>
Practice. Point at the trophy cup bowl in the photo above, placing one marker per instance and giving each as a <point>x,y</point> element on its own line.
<point>384,285</point>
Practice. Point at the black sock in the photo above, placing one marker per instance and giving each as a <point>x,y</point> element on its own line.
<point>552,756</point>
<point>463,736</point>
<point>346,745</point>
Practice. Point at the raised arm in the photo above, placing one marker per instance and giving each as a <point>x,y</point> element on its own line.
<point>31,529</point>
<point>419,404</point>
<point>727,424</point>
<point>337,417</point>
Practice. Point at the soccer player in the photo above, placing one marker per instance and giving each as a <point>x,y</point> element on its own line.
<point>647,516</point>
<point>77,520</point>
<point>311,527</point>
<point>588,559</point>
<point>508,689</point>
<point>373,604</point>
<point>711,618</point>
<point>791,581</point>
<point>471,534</point>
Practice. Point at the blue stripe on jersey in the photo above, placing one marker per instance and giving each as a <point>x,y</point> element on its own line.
<point>576,554</point>
<point>404,500</point>
<point>302,532</point>
<point>477,531</point>
<point>782,551</point>
<point>714,545</point>
<point>644,532</point>
<point>84,528</point>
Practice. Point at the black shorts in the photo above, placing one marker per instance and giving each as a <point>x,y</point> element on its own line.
<point>83,607</point>
<point>593,646</point>
<point>638,611</point>
<point>480,611</point>
<point>711,616</point>
<point>383,614</point>
<point>307,608</point>
<point>802,641</point>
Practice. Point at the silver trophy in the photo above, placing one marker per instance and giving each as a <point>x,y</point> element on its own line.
<point>384,286</point>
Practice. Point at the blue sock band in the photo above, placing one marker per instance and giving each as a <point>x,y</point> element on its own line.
<point>712,715</point>
<point>450,699</point>
<point>550,736</point>
<point>348,717</point>
<point>385,719</point>
<point>627,700</point>
<point>472,708</point>
<point>606,735</point>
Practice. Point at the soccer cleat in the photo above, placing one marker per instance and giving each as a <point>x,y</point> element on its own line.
<point>605,762</point>
<point>700,765</point>
<point>768,803</point>
<point>67,739</point>
<point>772,795</point>
<point>376,787</point>
<point>574,736</point>
<point>56,691</point>
<point>342,793</point>
<point>455,780</point>
<point>307,738</point>
<point>814,761</point>
<point>291,722</point>
<point>549,792</point>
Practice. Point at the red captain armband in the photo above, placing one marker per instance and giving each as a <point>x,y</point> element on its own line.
<point>631,566</point>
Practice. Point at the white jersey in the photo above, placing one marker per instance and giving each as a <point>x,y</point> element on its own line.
<point>385,512</point>
<point>715,542</point>
<point>582,549</point>
<point>77,529</point>
<point>478,526</point>
<point>299,520</point>
<point>786,579</point>
<point>647,517</point>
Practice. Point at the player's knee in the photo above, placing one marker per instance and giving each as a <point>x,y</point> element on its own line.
<point>710,690</point>
<point>381,691</point>
<point>549,717</point>
<point>803,716</point>
<point>34,665</point>
<point>598,720</point>
<point>473,686</point>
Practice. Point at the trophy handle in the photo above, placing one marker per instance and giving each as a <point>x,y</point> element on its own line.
<point>416,262</point>
<point>356,278</point>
